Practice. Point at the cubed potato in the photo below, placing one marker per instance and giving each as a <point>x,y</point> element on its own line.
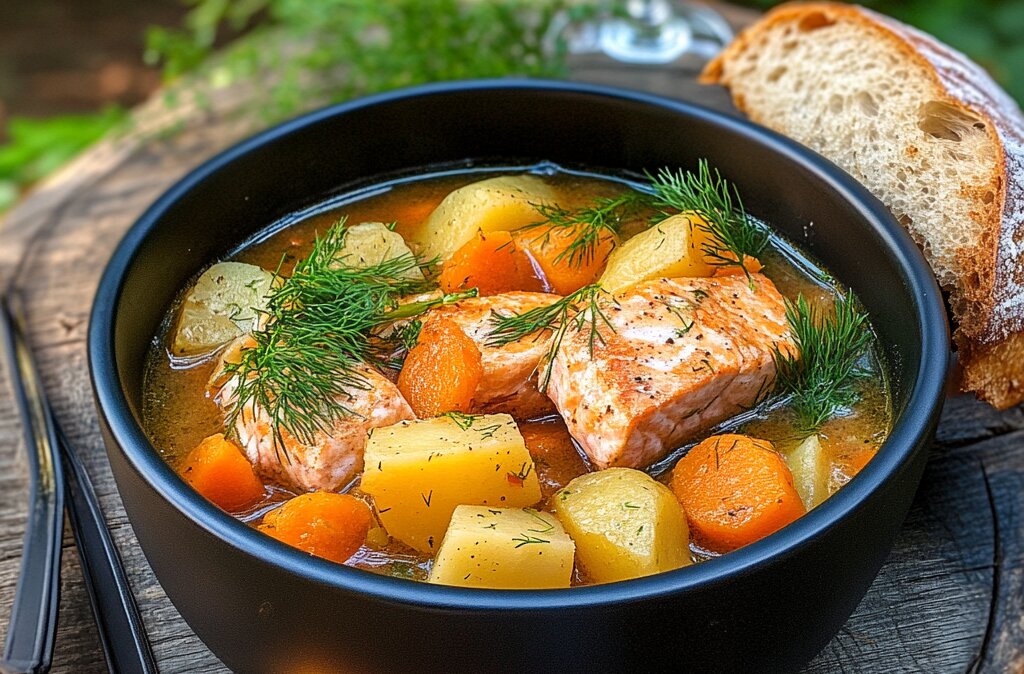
<point>504,548</point>
<point>671,249</point>
<point>624,523</point>
<point>370,243</point>
<point>811,467</point>
<point>419,471</point>
<point>495,204</point>
<point>223,304</point>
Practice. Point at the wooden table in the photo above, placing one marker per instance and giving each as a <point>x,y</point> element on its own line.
<point>950,598</point>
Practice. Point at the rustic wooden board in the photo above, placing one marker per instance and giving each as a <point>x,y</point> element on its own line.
<point>950,598</point>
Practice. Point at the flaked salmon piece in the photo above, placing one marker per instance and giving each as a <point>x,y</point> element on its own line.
<point>685,354</point>
<point>333,458</point>
<point>508,383</point>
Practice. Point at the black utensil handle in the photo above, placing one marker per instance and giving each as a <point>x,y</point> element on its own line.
<point>121,630</point>
<point>33,622</point>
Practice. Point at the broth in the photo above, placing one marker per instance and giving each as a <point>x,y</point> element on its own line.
<point>179,413</point>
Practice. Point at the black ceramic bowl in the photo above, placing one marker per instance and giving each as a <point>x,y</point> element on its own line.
<point>261,606</point>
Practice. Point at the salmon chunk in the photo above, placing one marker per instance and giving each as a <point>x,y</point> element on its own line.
<point>333,458</point>
<point>684,355</point>
<point>508,383</point>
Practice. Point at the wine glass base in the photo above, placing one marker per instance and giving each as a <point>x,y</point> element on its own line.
<point>681,29</point>
<point>621,40</point>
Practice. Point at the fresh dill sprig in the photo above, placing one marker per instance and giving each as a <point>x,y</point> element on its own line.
<point>734,236</point>
<point>579,311</point>
<point>589,226</point>
<point>408,334</point>
<point>462,420</point>
<point>314,345</point>
<point>820,378</point>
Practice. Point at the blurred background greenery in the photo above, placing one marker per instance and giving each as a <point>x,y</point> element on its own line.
<point>69,70</point>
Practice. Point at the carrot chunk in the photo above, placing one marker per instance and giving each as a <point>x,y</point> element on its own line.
<point>566,272</point>
<point>219,471</point>
<point>735,490</point>
<point>442,370</point>
<point>332,526</point>
<point>492,263</point>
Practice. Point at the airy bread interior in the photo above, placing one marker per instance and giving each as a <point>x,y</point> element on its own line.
<point>929,133</point>
<point>847,89</point>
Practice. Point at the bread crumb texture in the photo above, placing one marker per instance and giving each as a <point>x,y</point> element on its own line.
<point>922,127</point>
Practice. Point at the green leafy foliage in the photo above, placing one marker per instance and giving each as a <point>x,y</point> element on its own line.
<point>315,52</point>
<point>38,147</point>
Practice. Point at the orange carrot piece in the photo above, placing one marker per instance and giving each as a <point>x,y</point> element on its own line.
<point>442,370</point>
<point>735,490</point>
<point>548,248</point>
<point>219,471</point>
<point>554,455</point>
<point>332,526</point>
<point>493,263</point>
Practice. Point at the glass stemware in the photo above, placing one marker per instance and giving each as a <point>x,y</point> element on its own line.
<point>647,32</point>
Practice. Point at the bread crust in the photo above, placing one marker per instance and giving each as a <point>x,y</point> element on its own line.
<point>988,298</point>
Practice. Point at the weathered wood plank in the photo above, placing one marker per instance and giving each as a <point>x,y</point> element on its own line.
<point>948,599</point>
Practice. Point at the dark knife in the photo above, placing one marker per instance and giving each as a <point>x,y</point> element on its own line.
<point>122,633</point>
<point>33,623</point>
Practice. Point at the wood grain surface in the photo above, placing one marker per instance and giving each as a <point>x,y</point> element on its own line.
<point>950,598</point>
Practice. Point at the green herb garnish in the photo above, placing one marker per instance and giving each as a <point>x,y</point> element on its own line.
<point>315,343</point>
<point>548,526</point>
<point>589,226</point>
<point>577,311</point>
<point>820,378</point>
<point>408,334</point>
<point>462,420</point>
<point>735,236</point>
<point>526,539</point>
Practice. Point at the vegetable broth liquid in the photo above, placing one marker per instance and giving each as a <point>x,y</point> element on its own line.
<point>178,412</point>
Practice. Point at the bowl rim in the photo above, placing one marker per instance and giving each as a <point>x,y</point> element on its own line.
<point>916,421</point>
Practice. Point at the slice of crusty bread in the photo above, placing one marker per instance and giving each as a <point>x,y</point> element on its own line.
<point>929,133</point>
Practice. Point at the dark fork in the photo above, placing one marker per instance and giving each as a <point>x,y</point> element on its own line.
<point>120,626</point>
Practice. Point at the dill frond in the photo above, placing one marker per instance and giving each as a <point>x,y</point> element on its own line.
<point>820,379</point>
<point>717,201</point>
<point>312,351</point>
<point>579,311</point>
<point>588,226</point>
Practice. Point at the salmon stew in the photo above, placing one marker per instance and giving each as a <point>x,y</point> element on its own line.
<point>518,378</point>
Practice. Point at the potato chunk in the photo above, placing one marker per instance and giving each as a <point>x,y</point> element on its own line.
<point>223,304</point>
<point>504,548</point>
<point>811,468</point>
<point>625,525</point>
<point>673,248</point>
<point>491,205</point>
<point>370,243</point>
<point>419,471</point>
